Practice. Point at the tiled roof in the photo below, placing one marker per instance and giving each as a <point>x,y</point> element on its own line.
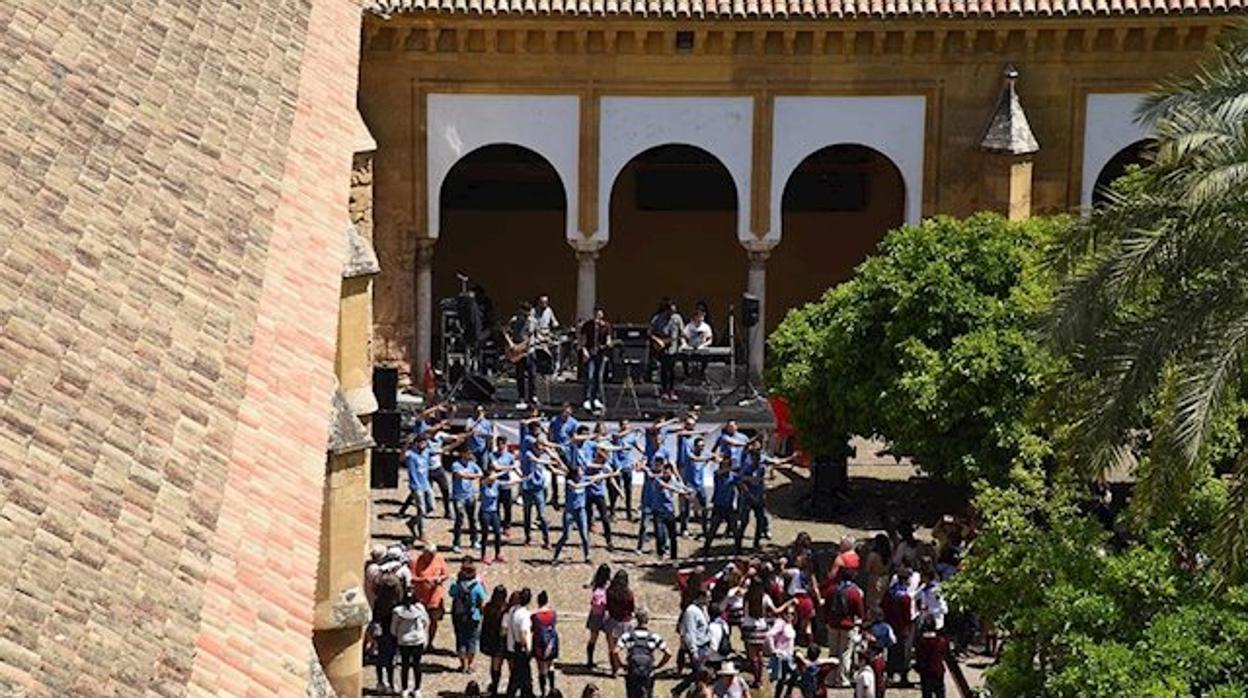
<point>807,9</point>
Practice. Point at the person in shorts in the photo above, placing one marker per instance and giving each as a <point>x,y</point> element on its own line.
<point>467,601</point>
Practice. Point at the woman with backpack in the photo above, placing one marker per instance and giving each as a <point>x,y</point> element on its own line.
<point>621,606</point>
<point>492,644</point>
<point>410,626</point>
<point>597,611</point>
<point>467,600</point>
<point>545,643</point>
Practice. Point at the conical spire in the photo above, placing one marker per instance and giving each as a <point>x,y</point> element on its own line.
<point>1008,132</point>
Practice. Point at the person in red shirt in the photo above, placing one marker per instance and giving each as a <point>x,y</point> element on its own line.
<point>897,605</point>
<point>930,650</point>
<point>846,559</point>
<point>845,611</point>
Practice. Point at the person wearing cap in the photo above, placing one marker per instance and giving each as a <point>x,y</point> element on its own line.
<point>729,684</point>
<point>429,573</point>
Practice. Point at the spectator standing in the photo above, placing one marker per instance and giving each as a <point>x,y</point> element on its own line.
<point>864,676</point>
<point>636,651</point>
<point>930,650</point>
<point>410,627</point>
<point>781,638</point>
<point>621,610</point>
<point>467,601</point>
<point>493,644</point>
<point>518,631</point>
<point>545,643</point>
<point>695,641</point>
<point>844,613</point>
<point>729,684</point>
<point>389,595</point>
<point>429,573</point>
<point>596,621</point>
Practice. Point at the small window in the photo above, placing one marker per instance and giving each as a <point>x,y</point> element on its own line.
<point>684,42</point>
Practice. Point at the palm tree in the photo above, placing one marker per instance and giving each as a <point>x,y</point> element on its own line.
<point>1155,297</point>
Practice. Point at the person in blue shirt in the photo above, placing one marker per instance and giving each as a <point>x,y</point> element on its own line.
<point>562,427</point>
<point>693,472</point>
<point>753,490</point>
<point>481,433</point>
<point>497,479</point>
<point>445,443</point>
<point>535,456</point>
<point>625,440</point>
<point>464,471</point>
<point>575,484</point>
<point>596,492</point>
<point>731,442</point>
<point>723,503</point>
<point>667,488</point>
<point>501,458</point>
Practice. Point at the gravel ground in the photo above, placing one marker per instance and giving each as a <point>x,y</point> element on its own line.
<point>881,490</point>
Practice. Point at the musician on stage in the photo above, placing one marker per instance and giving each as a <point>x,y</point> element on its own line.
<point>520,331</point>
<point>697,335</point>
<point>666,331</point>
<point>544,315</point>
<point>595,342</point>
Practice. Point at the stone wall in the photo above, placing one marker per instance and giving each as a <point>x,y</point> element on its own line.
<point>170,260</point>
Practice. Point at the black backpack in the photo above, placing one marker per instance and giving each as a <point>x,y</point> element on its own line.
<point>640,660</point>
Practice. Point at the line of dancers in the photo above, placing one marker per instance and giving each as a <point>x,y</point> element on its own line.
<point>713,483</point>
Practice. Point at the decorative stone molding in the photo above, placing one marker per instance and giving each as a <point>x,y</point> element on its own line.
<point>361,259</point>
<point>347,434</point>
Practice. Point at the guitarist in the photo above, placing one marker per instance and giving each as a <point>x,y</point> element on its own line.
<point>666,328</point>
<point>595,338</point>
<point>519,333</point>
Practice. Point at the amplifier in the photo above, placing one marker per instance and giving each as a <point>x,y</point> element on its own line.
<point>385,468</point>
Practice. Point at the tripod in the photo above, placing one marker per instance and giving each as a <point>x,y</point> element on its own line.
<point>628,388</point>
<point>745,390</point>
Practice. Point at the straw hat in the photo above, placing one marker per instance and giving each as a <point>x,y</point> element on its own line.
<point>728,669</point>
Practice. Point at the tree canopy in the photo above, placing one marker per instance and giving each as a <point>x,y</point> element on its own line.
<point>930,346</point>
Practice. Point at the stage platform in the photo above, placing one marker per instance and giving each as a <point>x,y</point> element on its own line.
<point>717,400</point>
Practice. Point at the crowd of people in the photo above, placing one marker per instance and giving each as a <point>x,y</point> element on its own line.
<point>866,615</point>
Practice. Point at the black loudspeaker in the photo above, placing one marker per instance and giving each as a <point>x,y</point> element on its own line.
<point>385,468</point>
<point>386,424</point>
<point>749,309</point>
<point>477,388</point>
<point>385,386</point>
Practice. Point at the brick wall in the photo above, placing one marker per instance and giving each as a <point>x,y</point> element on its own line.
<point>173,190</point>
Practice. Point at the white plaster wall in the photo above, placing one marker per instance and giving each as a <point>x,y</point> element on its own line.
<point>722,126</point>
<point>893,125</point>
<point>1109,126</point>
<point>457,124</point>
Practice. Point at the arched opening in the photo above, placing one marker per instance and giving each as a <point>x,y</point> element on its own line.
<point>502,225</point>
<point>673,221</point>
<point>838,204</point>
<point>1138,153</point>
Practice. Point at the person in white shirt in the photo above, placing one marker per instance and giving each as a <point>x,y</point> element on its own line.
<point>544,316</point>
<point>698,334</point>
<point>864,677</point>
<point>929,601</point>
<point>410,625</point>
<point>517,628</point>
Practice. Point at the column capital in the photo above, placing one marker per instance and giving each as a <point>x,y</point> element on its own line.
<point>758,249</point>
<point>587,247</point>
<point>424,249</point>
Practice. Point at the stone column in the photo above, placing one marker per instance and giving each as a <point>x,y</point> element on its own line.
<point>586,276</point>
<point>424,308</point>
<point>756,285</point>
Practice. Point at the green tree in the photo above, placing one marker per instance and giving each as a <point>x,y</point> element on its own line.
<point>929,346</point>
<point>1153,314</point>
<point>1086,619</point>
